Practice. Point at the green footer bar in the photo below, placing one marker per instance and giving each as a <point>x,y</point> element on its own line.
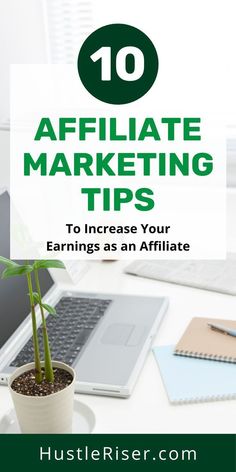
<point>133,452</point>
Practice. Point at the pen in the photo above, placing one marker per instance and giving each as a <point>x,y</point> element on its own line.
<point>222,329</point>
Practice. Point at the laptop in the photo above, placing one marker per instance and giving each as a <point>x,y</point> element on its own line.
<point>214,275</point>
<point>105,337</point>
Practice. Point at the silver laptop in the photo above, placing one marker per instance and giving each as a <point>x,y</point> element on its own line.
<point>104,337</point>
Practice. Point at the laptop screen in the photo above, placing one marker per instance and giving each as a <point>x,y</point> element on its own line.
<point>14,301</point>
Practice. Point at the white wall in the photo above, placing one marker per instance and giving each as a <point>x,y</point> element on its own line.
<point>36,31</point>
<point>22,40</point>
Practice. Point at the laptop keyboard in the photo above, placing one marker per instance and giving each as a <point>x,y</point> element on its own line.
<point>68,331</point>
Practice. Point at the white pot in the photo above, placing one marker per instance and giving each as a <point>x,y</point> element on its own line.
<point>48,414</point>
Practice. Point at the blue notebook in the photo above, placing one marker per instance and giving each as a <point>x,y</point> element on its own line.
<point>190,380</point>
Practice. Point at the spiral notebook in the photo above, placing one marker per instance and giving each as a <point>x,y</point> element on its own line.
<point>192,380</point>
<point>201,341</point>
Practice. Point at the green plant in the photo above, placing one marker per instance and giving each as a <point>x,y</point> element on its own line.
<point>13,269</point>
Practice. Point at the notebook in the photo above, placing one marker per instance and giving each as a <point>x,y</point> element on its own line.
<point>192,380</point>
<point>201,341</point>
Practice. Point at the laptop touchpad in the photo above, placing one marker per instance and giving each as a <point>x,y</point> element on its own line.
<point>117,334</point>
<point>120,334</point>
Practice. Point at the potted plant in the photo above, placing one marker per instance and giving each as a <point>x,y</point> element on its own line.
<point>42,391</point>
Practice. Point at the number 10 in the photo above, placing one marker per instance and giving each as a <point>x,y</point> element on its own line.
<point>104,54</point>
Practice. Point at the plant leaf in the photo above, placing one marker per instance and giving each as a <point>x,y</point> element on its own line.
<point>16,271</point>
<point>49,309</point>
<point>49,264</point>
<point>36,297</point>
<point>46,307</point>
<point>7,262</point>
